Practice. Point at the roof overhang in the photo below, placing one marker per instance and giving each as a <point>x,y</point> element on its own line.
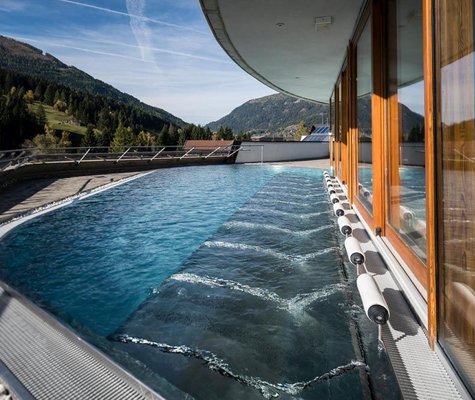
<point>279,43</point>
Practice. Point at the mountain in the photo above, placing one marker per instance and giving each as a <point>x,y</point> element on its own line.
<point>275,113</point>
<point>25,59</point>
<point>280,114</point>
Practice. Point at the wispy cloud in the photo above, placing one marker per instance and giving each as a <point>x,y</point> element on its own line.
<point>59,41</point>
<point>139,28</point>
<point>11,5</point>
<point>126,14</point>
<point>195,81</point>
<point>165,51</point>
<point>56,44</point>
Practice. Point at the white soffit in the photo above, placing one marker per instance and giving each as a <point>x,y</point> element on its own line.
<point>277,42</point>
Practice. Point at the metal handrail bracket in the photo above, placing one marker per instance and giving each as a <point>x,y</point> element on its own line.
<point>84,156</point>
<point>188,152</point>
<point>156,155</point>
<point>214,151</point>
<point>123,154</point>
<point>234,152</point>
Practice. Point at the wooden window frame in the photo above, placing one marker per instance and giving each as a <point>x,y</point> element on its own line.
<point>373,11</point>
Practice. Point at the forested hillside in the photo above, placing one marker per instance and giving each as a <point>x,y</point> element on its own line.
<point>272,113</point>
<point>25,59</point>
<point>44,103</point>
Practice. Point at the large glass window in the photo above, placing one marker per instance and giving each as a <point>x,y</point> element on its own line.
<point>339,127</point>
<point>363,106</point>
<point>406,170</point>
<point>333,132</point>
<point>456,122</point>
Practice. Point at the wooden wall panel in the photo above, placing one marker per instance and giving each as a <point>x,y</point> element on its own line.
<point>378,114</point>
<point>430,162</point>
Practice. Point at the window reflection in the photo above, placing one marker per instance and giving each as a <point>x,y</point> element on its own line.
<point>407,188</point>
<point>363,105</point>
<point>340,112</point>
<point>457,131</point>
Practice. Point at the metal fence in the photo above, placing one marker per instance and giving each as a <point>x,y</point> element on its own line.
<point>13,159</point>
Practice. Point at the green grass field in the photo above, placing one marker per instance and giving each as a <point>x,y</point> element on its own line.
<point>60,121</point>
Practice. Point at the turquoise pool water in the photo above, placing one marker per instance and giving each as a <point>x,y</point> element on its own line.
<point>223,282</point>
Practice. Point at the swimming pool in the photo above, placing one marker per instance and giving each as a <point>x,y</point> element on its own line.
<point>215,282</point>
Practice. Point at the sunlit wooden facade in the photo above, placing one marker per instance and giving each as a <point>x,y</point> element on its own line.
<point>410,172</point>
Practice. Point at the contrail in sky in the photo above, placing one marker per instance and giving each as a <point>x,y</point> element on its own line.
<point>139,28</point>
<point>157,49</point>
<point>155,21</point>
<point>105,53</point>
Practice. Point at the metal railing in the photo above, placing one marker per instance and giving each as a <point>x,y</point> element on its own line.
<point>16,158</point>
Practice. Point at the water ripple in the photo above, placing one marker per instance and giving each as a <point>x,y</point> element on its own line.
<point>295,195</point>
<point>285,213</point>
<point>270,227</point>
<point>294,305</point>
<point>266,251</point>
<point>259,200</point>
<point>268,390</point>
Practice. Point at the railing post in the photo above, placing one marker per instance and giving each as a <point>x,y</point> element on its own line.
<point>123,154</point>
<point>156,155</point>
<point>188,152</point>
<point>214,151</point>
<point>84,156</point>
<point>235,151</point>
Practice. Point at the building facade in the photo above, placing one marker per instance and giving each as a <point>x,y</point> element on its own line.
<point>399,76</point>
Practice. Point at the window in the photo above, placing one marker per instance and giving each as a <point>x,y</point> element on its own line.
<point>364,124</point>
<point>456,124</point>
<point>406,156</point>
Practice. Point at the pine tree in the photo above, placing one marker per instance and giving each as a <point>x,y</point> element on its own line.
<point>89,139</point>
<point>49,95</point>
<point>123,137</point>
<point>163,136</point>
<point>40,114</point>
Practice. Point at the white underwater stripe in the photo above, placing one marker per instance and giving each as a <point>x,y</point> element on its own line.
<point>269,227</point>
<point>293,195</point>
<point>264,211</point>
<point>259,200</point>
<point>248,247</point>
<point>294,305</point>
<point>270,252</point>
<point>267,389</point>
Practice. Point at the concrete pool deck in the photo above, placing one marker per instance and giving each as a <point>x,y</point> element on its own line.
<point>29,195</point>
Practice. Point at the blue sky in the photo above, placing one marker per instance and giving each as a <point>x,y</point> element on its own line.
<point>160,51</point>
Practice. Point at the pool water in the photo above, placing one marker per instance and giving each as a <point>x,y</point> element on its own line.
<point>223,282</point>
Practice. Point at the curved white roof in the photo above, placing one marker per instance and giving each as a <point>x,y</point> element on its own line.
<point>278,41</point>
